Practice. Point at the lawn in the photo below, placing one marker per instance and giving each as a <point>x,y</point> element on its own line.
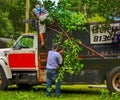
<point>68,92</point>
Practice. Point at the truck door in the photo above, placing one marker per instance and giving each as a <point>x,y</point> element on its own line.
<point>22,55</point>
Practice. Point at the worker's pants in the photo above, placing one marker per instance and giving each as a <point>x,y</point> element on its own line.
<point>51,75</point>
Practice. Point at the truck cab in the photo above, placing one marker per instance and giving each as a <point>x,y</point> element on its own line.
<point>21,66</point>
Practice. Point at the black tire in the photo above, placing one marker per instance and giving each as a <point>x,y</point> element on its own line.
<point>113,80</point>
<point>3,80</point>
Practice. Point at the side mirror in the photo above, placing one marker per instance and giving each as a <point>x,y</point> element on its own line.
<point>11,37</point>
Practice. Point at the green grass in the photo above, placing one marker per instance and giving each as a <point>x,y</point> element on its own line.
<point>68,92</point>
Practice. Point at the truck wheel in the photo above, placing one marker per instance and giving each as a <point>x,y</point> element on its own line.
<point>3,80</point>
<point>113,80</point>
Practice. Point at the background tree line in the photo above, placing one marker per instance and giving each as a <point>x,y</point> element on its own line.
<point>12,13</point>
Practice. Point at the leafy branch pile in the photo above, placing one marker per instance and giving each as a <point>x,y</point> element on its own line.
<point>68,21</point>
<point>72,62</point>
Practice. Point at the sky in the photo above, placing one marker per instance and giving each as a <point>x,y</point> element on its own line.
<point>56,1</point>
<point>51,0</point>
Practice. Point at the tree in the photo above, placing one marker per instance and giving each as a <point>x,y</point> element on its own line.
<point>6,27</point>
<point>104,8</point>
<point>16,13</point>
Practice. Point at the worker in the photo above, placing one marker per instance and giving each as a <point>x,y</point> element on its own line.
<point>54,60</point>
<point>40,14</point>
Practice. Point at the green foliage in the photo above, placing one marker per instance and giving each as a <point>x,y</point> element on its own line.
<point>9,44</point>
<point>69,92</point>
<point>72,62</point>
<point>27,42</point>
<point>13,14</point>
<point>107,96</point>
<point>108,8</point>
<point>71,21</point>
<point>104,8</point>
<point>24,96</point>
<point>6,27</point>
<point>96,18</point>
<point>17,15</point>
<point>65,18</point>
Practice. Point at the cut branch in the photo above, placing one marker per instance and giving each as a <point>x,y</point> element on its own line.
<point>79,42</point>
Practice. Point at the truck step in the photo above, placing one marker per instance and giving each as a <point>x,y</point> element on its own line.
<point>43,55</point>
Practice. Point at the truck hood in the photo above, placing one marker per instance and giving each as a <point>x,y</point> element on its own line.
<point>3,52</point>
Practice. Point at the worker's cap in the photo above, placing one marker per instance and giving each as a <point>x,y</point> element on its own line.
<point>54,45</point>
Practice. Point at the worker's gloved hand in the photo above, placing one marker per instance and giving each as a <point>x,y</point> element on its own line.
<point>61,52</point>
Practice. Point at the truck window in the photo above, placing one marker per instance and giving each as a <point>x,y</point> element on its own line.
<point>24,42</point>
